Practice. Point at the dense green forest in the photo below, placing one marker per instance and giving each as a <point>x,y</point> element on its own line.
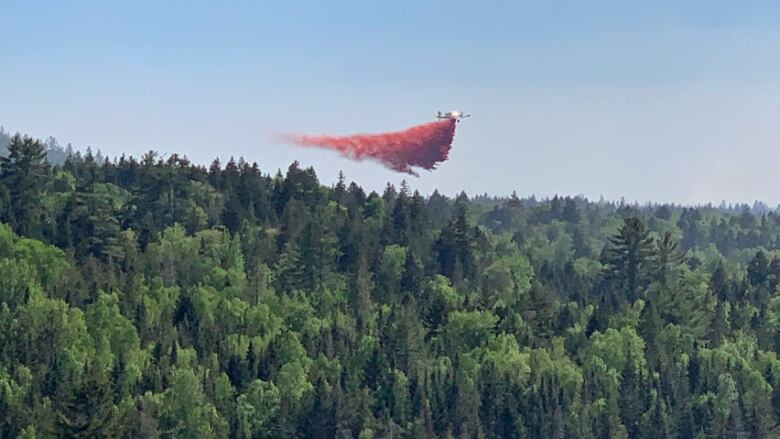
<point>159,298</point>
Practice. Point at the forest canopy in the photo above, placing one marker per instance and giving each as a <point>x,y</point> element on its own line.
<point>157,297</point>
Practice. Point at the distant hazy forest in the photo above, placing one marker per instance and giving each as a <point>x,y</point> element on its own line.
<point>53,151</point>
<point>159,298</point>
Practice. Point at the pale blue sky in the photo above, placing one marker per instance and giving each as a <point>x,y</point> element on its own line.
<point>664,101</point>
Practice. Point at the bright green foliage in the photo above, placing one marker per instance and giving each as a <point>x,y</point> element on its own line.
<point>185,411</point>
<point>617,350</point>
<point>466,330</point>
<point>106,323</point>
<point>255,407</point>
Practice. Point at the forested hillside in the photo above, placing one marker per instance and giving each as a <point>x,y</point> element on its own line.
<point>159,298</point>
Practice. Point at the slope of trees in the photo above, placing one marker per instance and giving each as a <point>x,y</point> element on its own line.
<point>159,298</point>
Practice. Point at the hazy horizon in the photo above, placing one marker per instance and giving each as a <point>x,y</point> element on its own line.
<point>669,103</point>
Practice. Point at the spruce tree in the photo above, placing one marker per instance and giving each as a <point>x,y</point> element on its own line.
<point>23,172</point>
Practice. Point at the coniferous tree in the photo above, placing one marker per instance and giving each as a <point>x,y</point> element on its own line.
<point>24,173</point>
<point>667,257</point>
<point>87,410</point>
<point>628,258</point>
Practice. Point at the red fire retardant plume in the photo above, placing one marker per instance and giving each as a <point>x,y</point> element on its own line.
<point>421,146</point>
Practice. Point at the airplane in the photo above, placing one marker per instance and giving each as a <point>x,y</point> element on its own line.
<point>454,115</point>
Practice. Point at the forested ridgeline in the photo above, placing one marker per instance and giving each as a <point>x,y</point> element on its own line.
<point>160,298</point>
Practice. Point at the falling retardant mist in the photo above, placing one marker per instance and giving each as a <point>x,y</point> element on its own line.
<point>422,146</point>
